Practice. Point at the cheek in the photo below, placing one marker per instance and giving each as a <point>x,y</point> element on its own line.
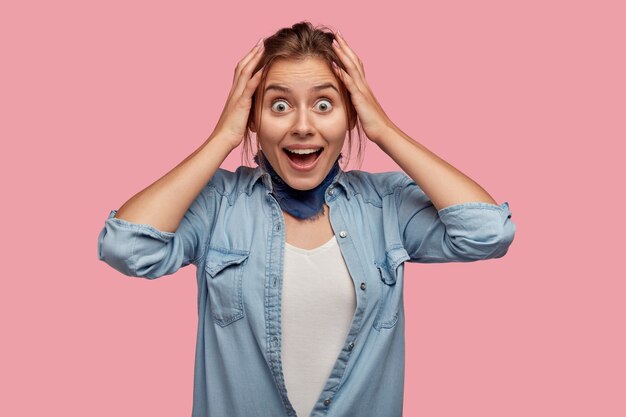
<point>338,121</point>
<point>264,140</point>
<point>274,125</point>
<point>268,139</point>
<point>336,129</point>
<point>268,131</point>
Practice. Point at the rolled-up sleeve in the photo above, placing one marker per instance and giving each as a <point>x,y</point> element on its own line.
<point>463,232</point>
<point>140,250</point>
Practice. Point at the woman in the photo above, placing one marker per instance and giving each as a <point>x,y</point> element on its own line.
<point>300,263</point>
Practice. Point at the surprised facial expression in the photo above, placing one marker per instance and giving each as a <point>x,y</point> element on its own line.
<point>303,121</point>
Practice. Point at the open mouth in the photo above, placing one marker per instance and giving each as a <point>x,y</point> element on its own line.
<point>303,157</point>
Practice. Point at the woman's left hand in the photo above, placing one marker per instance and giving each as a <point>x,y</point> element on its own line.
<point>373,119</point>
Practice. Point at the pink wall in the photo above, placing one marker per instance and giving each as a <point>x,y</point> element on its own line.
<point>527,98</point>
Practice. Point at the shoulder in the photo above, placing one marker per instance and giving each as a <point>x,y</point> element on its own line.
<point>232,183</point>
<point>376,185</point>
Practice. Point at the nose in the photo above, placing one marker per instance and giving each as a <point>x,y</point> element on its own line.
<point>303,125</point>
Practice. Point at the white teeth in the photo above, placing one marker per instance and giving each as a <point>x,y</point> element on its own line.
<point>303,151</point>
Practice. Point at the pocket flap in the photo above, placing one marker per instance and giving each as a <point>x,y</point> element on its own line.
<point>396,256</point>
<point>388,277</point>
<point>393,258</point>
<point>219,258</point>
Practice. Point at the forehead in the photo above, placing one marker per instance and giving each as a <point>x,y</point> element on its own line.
<point>300,74</point>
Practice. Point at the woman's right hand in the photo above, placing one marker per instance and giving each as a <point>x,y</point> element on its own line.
<point>234,118</point>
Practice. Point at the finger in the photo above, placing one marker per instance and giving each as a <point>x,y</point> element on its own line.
<point>244,61</point>
<point>352,87</point>
<point>342,48</point>
<point>351,73</point>
<point>244,100</point>
<point>245,73</point>
<point>252,85</point>
<point>239,68</point>
<point>352,70</point>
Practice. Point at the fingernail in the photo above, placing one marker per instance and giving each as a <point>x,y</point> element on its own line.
<point>340,35</point>
<point>259,42</point>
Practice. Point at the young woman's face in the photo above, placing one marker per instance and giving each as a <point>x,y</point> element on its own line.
<point>303,121</point>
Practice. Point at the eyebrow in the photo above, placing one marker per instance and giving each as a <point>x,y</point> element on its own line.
<point>315,87</point>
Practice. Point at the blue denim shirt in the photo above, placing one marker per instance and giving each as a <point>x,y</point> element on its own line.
<point>234,233</point>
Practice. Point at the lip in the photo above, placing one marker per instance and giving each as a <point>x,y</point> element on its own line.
<point>304,168</point>
<point>303,146</point>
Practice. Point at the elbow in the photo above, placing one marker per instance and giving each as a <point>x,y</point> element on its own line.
<point>488,242</point>
<point>116,254</point>
<point>138,250</point>
<point>504,242</point>
<point>137,255</point>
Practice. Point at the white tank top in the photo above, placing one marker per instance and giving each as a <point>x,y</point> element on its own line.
<point>318,298</point>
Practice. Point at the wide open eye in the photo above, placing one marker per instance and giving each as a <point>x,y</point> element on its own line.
<point>279,106</point>
<point>326,105</point>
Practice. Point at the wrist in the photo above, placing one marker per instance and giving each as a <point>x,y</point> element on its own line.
<point>388,133</point>
<point>224,139</point>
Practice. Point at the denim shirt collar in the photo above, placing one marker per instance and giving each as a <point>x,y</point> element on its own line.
<point>259,174</point>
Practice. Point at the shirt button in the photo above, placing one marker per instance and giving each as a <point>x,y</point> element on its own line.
<point>343,233</point>
<point>351,346</point>
<point>331,192</point>
<point>327,402</point>
<point>363,286</point>
<point>278,227</point>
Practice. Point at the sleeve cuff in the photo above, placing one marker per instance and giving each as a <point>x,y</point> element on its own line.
<point>479,230</point>
<point>458,210</point>
<point>131,248</point>
<point>144,228</point>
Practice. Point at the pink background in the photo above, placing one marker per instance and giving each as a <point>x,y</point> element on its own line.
<point>98,100</point>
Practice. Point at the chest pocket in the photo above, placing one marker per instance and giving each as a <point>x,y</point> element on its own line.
<point>224,273</point>
<point>391,271</point>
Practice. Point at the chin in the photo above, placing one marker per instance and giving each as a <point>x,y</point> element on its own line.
<point>304,183</point>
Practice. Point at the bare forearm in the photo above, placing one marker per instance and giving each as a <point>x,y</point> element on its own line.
<point>164,203</point>
<point>443,184</point>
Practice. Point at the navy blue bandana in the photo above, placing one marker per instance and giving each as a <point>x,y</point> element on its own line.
<point>302,204</point>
